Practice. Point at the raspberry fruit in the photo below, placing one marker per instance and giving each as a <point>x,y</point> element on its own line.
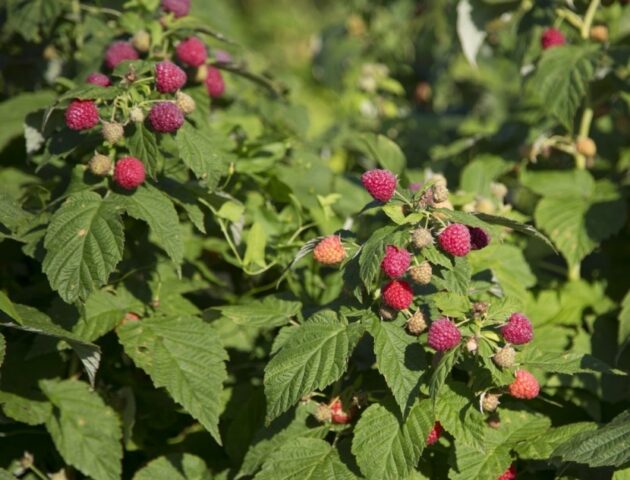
<point>129,173</point>
<point>421,237</point>
<point>112,132</point>
<point>381,184</point>
<point>518,329</point>
<point>322,413</point>
<point>524,386</point>
<point>440,193</point>
<point>329,251</point>
<point>396,261</point>
<point>100,165</point>
<point>192,52</point>
<point>141,41</point>
<point>435,433</point>
<point>81,115</point>
<point>551,37</point>
<point>479,238</point>
<point>509,474</point>
<point>504,358</point>
<point>166,117</point>
<point>99,79</point>
<point>215,85</point>
<point>472,344</point>
<point>185,102</point>
<point>136,115</point>
<point>416,323</point>
<point>337,413</point>
<point>490,402</point>
<point>480,308</point>
<point>444,335</point>
<point>169,77</point>
<point>586,146</point>
<point>118,52</point>
<point>599,33</point>
<point>398,294</point>
<point>421,274</point>
<point>455,239</point>
<point>179,8</point>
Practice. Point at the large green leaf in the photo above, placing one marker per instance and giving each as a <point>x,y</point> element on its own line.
<point>25,410</point>
<point>142,144</point>
<point>3,348</point>
<point>305,459</point>
<point>400,359</point>
<point>316,356</point>
<point>477,176</point>
<point>100,313</point>
<point>178,466</point>
<point>184,355</point>
<point>380,148</point>
<point>387,448</point>
<point>84,242</point>
<point>458,412</point>
<point>202,154</point>
<point>542,446</point>
<point>272,311</point>
<point>85,431</point>
<point>564,362</point>
<point>14,111</point>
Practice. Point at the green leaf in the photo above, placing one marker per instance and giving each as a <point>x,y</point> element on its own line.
<point>3,348</point>
<point>457,411</point>
<point>13,113</point>
<point>400,359</point>
<point>142,144</point>
<point>271,312</point>
<point>561,80</point>
<point>202,154</point>
<point>528,230</point>
<point>25,410</point>
<point>624,319</point>
<point>256,243</point>
<point>28,17</point>
<point>84,243</point>
<point>100,313</point>
<point>457,280</point>
<point>542,446</point>
<point>441,372</point>
<point>383,150</point>
<point>147,203</point>
<point>305,459</point>
<point>184,355</point>
<point>91,92</point>
<point>452,304</point>
<point>85,431</point>
<point>558,183</point>
<point>316,356</point>
<point>12,216</point>
<point>564,362</point>
<point>606,446</point>
<point>387,448</point>
<point>177,466</point>
<point>477,176</point>
<point>373,250</point>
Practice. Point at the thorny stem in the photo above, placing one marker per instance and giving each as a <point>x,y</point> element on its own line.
<point>38,472</point>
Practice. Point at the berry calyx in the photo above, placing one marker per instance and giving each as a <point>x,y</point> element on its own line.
<point>524,386</point>
<point>166,117</point>
<point>381,184</point>
<point>337,413</point>
<point>551,37</point>
<point>169,77</point>
<point>129,173</point>
<point>504,358</point>
<point>435,433</point>
<point>179,8</point>
<point>455,239</point>
<point>518,329</point>
<point>490,402</point>
<point>215,84</point>
<point>118,52</point>
<point>421,237</point>
<point>192,52</point>
<point>509,474</point>
<point>100,165</point>
<point>81,115</point>
<point>185,102</point>
<point>421,274</point>
<point>416,324</point>
<point>329,251</point>
<point>398,294</point>
<point>112,132</point>
<point>395,262</point>
<point>99,79</point>
<point>479,238</point>
<point>443,335</point>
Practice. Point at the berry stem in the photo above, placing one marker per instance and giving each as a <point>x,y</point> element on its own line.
<point>403,198</point>
<point>38,473</point>
<point>574,272</point>
<point>588,18</point>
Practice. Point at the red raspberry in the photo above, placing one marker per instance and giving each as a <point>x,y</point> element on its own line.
<point>444,335</point>
<point>81,115</point>
<point>509,474</point>
<point>166,117</point>
<point>192,52</point>
<point>99,79</point>
<point>215,83</point>
<point>179,8</point>
<point>455,239</point>
<point>524,386</point>
<point>337,413</point>
<point>329,251</point>
<point>169,77</point>
<point>381,184</point>
<point>518,329</point>
<point>119,52</point>
<point>479,238</point>
<point>396,261</point>
<point>129,173</point>
<point>398,294</point>
<point>435,433</point>
<point>551,37</point>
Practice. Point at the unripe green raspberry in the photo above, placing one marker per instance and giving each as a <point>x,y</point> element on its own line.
<point>504,358</point>
<point>490,402</point>
<point>421,237</point>
<point>416,323</point>
<point>472,344</point>
<point>185,102</point>
<point>112,132</point>
<point>136,115</point>
<point>440,193</point>
<point>100,165</point>
<point>141,41</point>
<point>421,274</point>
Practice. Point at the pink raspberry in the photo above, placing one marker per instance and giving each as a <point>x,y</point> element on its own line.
<point>166,117</point>
<point>329,251</point>
<point>552,37</point>
<point>381,184</point>
<point>119,52</point>
<point>81,115</point>
<point>192,52</point>
<point>215,83</point>
<point>169,77</point>
<point>396,261</point>
<point>509,474</point>
<point>398,294</point>
<point>129,173</point>
<point>524,386</point>
<point>444,335</point>
<point>518,329</point>
<point>179,8</point>
<point>435,433</point>
<point>99,79</point>
<point>455,239</point>
<point>479,238</point>
<point>221,56</point>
